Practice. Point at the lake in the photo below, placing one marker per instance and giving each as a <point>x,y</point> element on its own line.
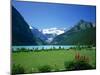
<point>43,47</point>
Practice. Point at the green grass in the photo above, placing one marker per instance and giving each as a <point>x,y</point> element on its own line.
<point>31,61</point>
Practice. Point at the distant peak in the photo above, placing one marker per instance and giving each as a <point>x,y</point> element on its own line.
<point>30,27</point>
<point>56,31</point>
<point>82,21</point>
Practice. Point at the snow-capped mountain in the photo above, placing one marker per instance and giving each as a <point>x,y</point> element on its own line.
<point>56,31</point>
<point>47,34</point>
<point>51,33</point>
<point>38,34</point>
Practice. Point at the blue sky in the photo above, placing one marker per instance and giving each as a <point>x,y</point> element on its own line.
<point>50,15</point>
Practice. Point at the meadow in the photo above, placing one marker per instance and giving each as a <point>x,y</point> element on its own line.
<point>33,60</point>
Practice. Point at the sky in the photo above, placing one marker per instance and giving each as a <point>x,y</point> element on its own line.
<point>53,15</point>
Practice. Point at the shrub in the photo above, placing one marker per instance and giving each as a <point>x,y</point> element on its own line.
<point>17,69</point>
<point>80,63</point>
<point>79,57</point>
<point>77,65</point>
<point>45,68</point>
<point>69,65</point>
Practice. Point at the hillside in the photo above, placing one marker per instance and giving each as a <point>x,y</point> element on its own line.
<point>83,33</point>
<point>38,34</point>
<point>21,34</point>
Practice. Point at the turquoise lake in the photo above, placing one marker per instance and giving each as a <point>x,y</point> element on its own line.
<point>43,47</point>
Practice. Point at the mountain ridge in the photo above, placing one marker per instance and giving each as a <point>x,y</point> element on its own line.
<point>82,33</point>
<point>21,34</point>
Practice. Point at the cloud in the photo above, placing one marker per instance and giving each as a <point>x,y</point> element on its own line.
<point>53,31</point>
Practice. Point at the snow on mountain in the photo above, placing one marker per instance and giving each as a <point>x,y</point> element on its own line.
<point>51,33</point>
<point>47,34</point>
<point>56,31</point>
<point>38,34</point>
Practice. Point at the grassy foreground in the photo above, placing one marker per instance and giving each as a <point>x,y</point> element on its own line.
<point>31,61</point>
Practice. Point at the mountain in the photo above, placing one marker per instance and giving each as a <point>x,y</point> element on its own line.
<point>51,33</point>
<point>50,37</point>
<point>38,34</point>
<point>81,25</point>
<point>82,33</point>
<point>21,34</point>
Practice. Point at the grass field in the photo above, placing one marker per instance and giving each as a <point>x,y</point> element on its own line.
<point>32,60</point>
